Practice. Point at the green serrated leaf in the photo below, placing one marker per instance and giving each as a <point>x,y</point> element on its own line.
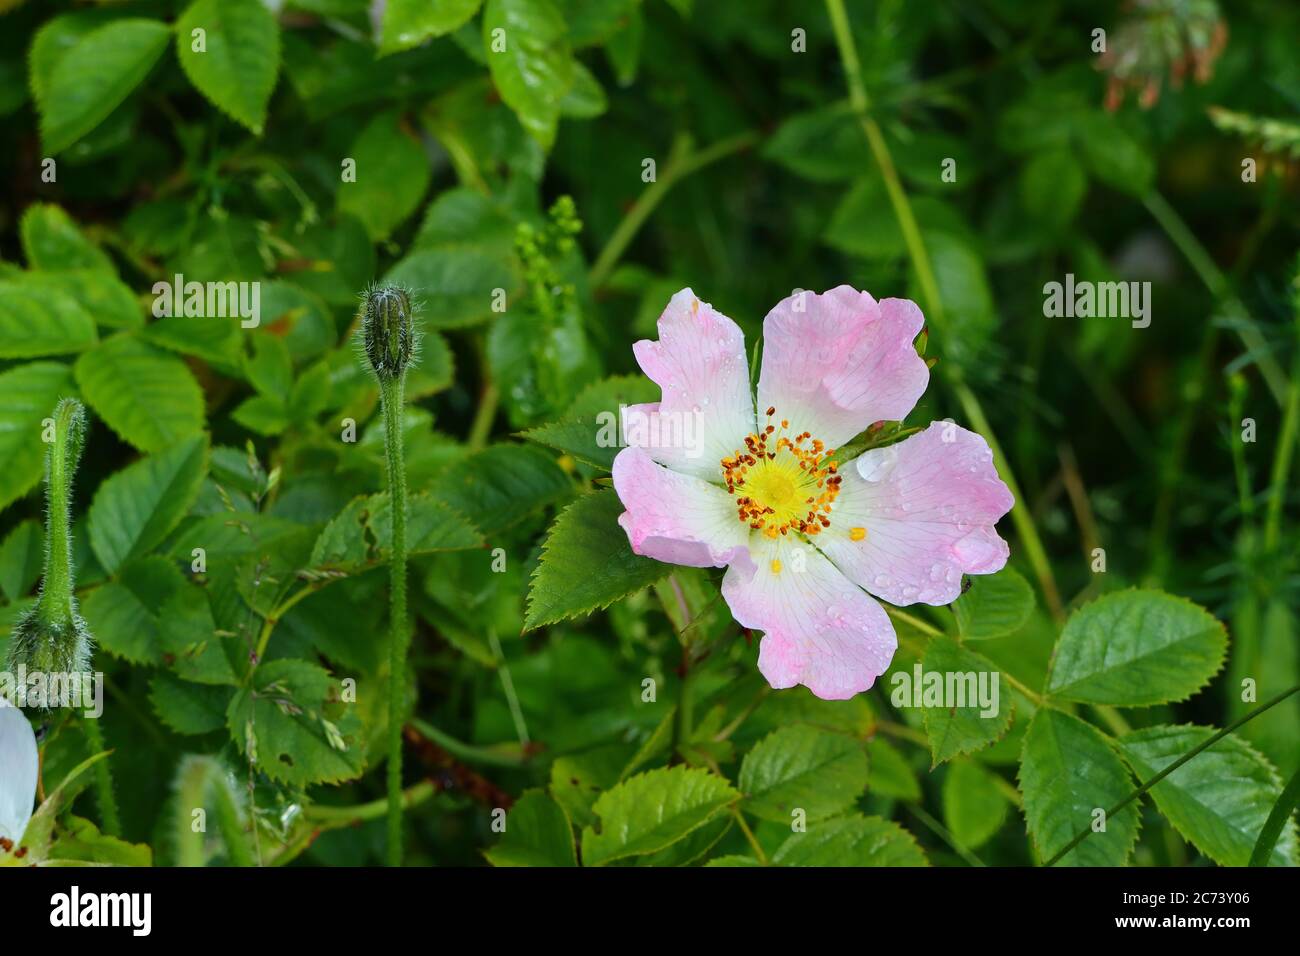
<point>361,534</point>
<point>890,774</point>
<point>851,841</point>
<point>95,75</point>
<point>1220,799</point>
<point>1070,776</point>
<point>589,430</point>
<point>135,509</point>
<point>455,287</point>
<point>587,563</point>
<point>949,667</point>
<point>392,175</point>
<point>37,318</point>
<point>802,768</point>
<point>538,833</point>
<point>501,485</point>
<point>240,56</point>
<point>148,397</point>
<point>996,605</point>
<point>293,728</point>
<point>21,556</point>
<point>408,23</point>
<point>578,779</point>
<point>80,842</point>
<point>51,240</point>
<point>188,708</point>
<point>103,296</point>
<point>1137,647</point>
<point>28,394</point>
<point>465,218</point>
<point>528,54</point>
<point>974,807</point>
<point>653,810</point>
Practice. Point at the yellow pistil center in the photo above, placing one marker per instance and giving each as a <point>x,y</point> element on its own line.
<point>781,482</point>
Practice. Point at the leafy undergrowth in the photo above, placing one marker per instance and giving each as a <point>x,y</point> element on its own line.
<point>543,175</point>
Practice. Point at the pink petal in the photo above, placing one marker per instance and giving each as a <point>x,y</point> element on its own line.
<point>819,628</point>
<point>676,518</point>
<point>837,362</point>
<point>928,506</point>
<point>699,362</point>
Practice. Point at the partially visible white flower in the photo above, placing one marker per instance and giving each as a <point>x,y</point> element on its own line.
<point>18,769</point>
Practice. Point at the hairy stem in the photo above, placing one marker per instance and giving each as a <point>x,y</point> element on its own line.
<point>391,393</point>
<point>56,604</point>
<point>108,814</point>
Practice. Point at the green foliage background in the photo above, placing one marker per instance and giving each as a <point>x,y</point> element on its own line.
<point>642,734</point>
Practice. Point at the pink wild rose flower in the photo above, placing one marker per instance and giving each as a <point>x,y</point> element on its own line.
<point>807,541</point>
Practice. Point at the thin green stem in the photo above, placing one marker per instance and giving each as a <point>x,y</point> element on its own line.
<point>1020,517</point>
<point>1220,288</point>
<point>508,685</point>
<point>470,753</point>
<point>484,417</point>
<point>749,835</point>
<point>1276,822</point>
<point>333,818</point>
<point>682,162</point>
<point>390,390</point>
<point>1205,745</point>
<point>939,830</point>
<point>683,715</point>
<point>278,612</point>
<point>1282,460</point>
<point>108,814</point>
<point>1236,407</point>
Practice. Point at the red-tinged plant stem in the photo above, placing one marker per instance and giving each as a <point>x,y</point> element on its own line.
<point>934,311</point>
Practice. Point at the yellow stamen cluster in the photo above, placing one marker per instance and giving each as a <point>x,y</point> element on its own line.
<point>782,483</point>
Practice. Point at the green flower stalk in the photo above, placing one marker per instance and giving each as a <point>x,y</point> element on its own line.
<point>52,637</point>
<point>388,336</point>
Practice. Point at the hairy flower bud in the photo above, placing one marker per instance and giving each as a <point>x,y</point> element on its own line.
<point>387,331</point>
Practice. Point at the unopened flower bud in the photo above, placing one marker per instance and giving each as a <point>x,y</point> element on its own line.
<point>387,331</point>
